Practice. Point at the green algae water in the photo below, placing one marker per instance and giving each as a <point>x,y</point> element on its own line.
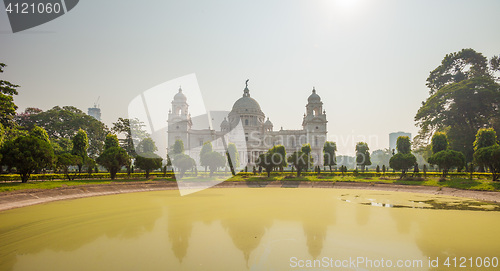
<point>253,229</point>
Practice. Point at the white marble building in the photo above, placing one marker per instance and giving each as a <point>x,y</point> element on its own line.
<point>259,135</point>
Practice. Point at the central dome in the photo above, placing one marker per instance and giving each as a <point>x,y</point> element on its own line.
<point>246,104</point>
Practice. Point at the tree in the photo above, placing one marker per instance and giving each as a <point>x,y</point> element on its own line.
<point>273,158</point>
<point>65,160</point>
<point>64,122</point>
<point>113,158</point>
<point>300,160</point>
<point>464,97</point>
<point>439,142</point>
<point>457,67</point>
<point>490,158</point>
<point>362,155</point>
<point>40,133</point>
<point>134,133</point>
<point>178,147</point>
<point>27,154</point>
<point>485,137</point>
<point>383,169</point>
<point>147,159</point>
<point>183,163</point>
<point>233,154</point>
<point>329,150</point>
<point>403,160</point>
<point>377,169</point>
<point>61,145</point>
<point>447,159</point>
<point>214,161</point>
<point>279,156</point>
<point>306,148</point>
<point>487,151</point>
<point>80,145</point>
<point>148,162</point>
<point>444,158</point>
<point>7,106</point>
<point>205,149</point>
<point>403,144</point>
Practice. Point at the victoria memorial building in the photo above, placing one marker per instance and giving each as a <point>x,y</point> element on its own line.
<point>257,132</point>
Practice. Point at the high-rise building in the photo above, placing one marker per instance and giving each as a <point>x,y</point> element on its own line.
<point>95,112</point>
<point>393,138</point>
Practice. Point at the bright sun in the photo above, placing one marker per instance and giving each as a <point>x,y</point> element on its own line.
<point>346,4</point>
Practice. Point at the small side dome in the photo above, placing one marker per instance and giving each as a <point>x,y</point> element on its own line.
<point>268,122</point>
<point>180,97</point>
<point>314,98</point>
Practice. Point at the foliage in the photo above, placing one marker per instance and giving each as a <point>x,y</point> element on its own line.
<point>489,157</point>
<point>7,106</point>
<point>64,122</point>
<point>273,158</point>
<point>233,154</point>
<point>134,133</point>
<point>183,163</point>
<point>65,160</point>
<point>178,147</point>
<point>148,162</point>
<point>439,142</point>
<point>485,137</point>
<point>40,133</point>
<point>381,157</point>
<point>447,159</point>
<point>403,144</point>
<point>205,149</point>
<point>402,161</point>
<point>80,145</point>
<point>27,154</point>
<point>147,145</point>
<point>61,145</point>
<point>329,150</point>
<point>111,141</point>
<point>300,160</point>
<point>456,67</point>
<point>306,148</point>
<point>214,161</point>
<point>113,158</point>
<point>146,159</point>
<point>464,97</point>
<point>362,155</point>
<point>279,153</point>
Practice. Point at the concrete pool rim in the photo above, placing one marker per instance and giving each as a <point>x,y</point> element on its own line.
<point>22,198</point>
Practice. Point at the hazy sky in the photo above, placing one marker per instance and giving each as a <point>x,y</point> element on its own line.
<point>368,59</point>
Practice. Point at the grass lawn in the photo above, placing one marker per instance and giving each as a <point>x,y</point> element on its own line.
<point>451,182</point>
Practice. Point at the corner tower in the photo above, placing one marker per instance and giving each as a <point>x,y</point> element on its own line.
<point>314,124</point>
<point>179,120</point>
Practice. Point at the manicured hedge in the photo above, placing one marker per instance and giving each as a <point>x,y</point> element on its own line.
<point>140,175</point>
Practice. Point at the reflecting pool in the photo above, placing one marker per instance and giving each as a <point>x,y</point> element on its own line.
<point>253,229</point>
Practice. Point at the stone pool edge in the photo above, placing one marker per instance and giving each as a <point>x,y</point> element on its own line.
<point>22,198</point>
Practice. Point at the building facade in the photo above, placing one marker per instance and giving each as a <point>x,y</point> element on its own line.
<point>259,133</point>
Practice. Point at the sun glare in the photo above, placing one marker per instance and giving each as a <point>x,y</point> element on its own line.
<point>345,4</point>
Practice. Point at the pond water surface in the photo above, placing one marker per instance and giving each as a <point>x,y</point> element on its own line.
<point>252,229</point>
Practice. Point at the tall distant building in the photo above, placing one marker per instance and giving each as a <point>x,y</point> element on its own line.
<point>259,132</point>
<point>95,112</point>
<point>393,138</point>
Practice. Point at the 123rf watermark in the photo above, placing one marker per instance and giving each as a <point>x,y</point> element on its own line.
<point>366,262</point>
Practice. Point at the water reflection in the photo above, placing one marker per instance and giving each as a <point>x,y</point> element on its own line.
<point>238,229</point>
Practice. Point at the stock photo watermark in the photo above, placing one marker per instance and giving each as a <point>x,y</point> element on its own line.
<point>26,14</point>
